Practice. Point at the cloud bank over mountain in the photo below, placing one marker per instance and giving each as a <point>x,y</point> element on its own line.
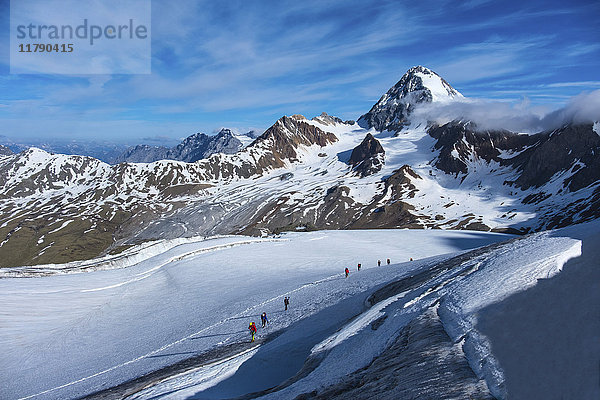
<point>583,108</point>
<point>488,114</point>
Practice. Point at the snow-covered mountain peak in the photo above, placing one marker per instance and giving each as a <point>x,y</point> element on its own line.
<point>35,153</point>
<point>420,78</point>
<point>225,131</point>
<point>289,132</point>
<point>34,156</point>
<point>331,120</point>
<point>418,85</point>
<point>246,138</point>
<point>327,119</point>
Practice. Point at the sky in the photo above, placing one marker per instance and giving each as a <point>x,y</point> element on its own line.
<point>244,64</point>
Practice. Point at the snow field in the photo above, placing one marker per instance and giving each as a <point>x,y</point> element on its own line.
<point>459,296</point>
<point>458,292</point>
<point>70,335</point>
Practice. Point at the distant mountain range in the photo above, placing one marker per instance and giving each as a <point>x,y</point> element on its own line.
<point>391,169</point>
<point>193,148</point>
<point>105,151</point>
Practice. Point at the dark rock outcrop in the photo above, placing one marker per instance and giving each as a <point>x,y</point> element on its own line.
<point>459,142</point>
<point>574,148</point>
<point>368,157</point>
<point>538,157</point>
<point>394,213</point>
<point>201,146</point>
<point>327,119</point>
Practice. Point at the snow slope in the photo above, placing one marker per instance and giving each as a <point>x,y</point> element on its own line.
<point>482,194</point>
<point>556,324</point>
<point>524,314</point>
<point>66,336</point>
<point>467,292</point>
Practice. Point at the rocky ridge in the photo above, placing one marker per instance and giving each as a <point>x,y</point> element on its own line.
<point>193,148</point>
<point>302,174</point>
<point>59,208</point>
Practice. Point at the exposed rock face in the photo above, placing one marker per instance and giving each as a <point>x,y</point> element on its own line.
<point>570,156</point>
<point>327,119</point>
<point>201,146</point>
<point>368,157</point>
<point>195,147</point>
<point>459,142</point>
<point>418,85</point>
<point>5,151</point>
<point>284,137</point>
<point>575,212</point>
<point>393,213</point>
<point>574,148</point>
<point>338,210</point>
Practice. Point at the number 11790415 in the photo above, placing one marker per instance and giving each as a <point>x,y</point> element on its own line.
<point>45,48</point>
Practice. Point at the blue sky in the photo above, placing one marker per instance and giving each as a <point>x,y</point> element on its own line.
<point>244,64</point>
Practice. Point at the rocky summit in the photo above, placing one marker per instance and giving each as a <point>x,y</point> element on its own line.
<point>418,85</point>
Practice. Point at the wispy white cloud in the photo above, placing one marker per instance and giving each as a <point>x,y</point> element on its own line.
<point>586,84</point>
<point>236,66</point>
<point>495,57</point>
<point>474,3</point>
<point>580,49</point>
